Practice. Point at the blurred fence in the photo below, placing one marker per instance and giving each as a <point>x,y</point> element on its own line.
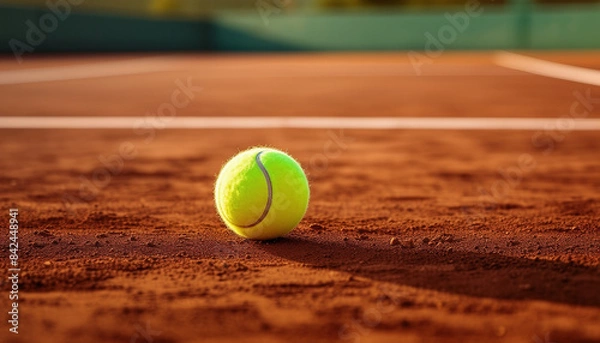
<point>296,25</point>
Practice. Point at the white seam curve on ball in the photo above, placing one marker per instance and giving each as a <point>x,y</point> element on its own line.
<point>269,195</point>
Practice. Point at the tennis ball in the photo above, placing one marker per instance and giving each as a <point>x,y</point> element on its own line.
<point>261,193</point>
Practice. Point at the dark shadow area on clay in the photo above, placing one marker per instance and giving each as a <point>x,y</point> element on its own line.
<point>486,275</point>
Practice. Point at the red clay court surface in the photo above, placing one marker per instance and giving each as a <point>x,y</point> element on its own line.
<point>410,236</point>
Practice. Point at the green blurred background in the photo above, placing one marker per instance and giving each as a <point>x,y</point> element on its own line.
<point>297,25</point>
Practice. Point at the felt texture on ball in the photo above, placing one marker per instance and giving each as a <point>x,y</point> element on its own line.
<point>262,193</point>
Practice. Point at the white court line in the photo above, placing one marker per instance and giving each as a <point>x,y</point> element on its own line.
<point>160,64</point>
<point>376,123</point>
<point>549,69</point>
<point>86,71</point>
<point>363,72</point>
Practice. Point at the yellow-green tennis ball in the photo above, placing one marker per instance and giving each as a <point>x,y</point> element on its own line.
<point>262,193</point>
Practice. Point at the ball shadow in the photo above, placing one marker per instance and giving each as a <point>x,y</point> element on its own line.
<point>487,275</point>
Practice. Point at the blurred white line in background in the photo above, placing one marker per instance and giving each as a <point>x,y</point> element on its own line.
<point>549,69</point>
<point>362,71</point>
<point>86,71</point>
<point>366,123</point>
